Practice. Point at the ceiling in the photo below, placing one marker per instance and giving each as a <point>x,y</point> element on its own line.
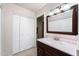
<point>32,6</point>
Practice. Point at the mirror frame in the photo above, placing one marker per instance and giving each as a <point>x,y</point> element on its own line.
<point>74,23</point>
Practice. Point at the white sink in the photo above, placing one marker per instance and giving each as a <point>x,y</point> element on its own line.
<point>61,45</point>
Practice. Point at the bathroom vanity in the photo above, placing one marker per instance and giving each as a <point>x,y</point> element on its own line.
<point>50,47</point>
<point>65,22</point>
<point>45,50</point>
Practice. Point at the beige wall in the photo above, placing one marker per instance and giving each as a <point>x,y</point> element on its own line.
<point>44,11</point>
<point>7,12</point>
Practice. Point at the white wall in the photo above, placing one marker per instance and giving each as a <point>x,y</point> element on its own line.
<point>78,29</point>
<point>44,11</point>
<point>0,31</point>
<point>7,14</point>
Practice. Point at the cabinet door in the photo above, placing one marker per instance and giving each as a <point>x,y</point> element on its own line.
<point>40,51</point>
<point>15,34</point>
<point>26,33</point>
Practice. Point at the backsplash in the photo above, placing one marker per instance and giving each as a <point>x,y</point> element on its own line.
<point>65,38</point>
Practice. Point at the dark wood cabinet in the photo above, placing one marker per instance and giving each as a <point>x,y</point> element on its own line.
<point>45,50</point>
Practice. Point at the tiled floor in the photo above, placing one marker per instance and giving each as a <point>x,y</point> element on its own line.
<point>29,52</point>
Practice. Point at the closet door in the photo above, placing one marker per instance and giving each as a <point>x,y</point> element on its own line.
<point>26,33</point>
<point>16,44</point>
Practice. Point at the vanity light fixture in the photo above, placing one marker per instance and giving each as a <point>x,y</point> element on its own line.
<point>55,11</point>
<point>63,7</point>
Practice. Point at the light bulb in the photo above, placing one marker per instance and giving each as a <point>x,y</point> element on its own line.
<point>50,13</point>
<point>57,10</point>
<point>65,7</point>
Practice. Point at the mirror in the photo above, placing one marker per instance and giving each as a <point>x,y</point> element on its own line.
<point>64,23</point>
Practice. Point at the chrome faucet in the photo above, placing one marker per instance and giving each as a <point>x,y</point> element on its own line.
<point>56,38</point>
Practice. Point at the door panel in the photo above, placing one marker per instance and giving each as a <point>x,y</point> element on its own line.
<point>23,33</point>
<point>26,33</point>
<point>15,33</point>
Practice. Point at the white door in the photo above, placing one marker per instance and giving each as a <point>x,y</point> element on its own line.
<point>26,33</point>
<point>23,33</point>
<point>16,20</point>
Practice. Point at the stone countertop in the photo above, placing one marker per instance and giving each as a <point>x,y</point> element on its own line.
<point>60,45</point>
